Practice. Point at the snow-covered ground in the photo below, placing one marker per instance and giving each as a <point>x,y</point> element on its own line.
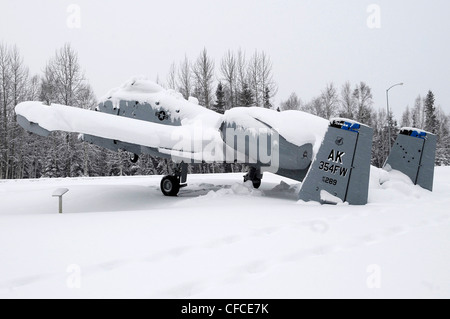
<point>120,237</point>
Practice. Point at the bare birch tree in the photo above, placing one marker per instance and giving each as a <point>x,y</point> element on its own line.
<point>63,73</point>
<point>228,67</point>
<point>330,101</point>
<point>204,77</point>
<point>172,77</point>
<point>292,103</point>
<point>347,102</point>
<point>363,101</point>
<point>254,76</point>
<point>185,78</point>
<point>5,96</point>
<point>268,88</point>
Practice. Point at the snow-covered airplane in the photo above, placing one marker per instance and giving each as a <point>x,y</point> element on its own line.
<point>331,158</point>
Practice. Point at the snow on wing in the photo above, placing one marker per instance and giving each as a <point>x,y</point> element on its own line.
<point>71,119</point>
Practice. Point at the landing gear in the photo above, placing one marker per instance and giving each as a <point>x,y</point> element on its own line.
<point>256,183</point>
<point>171,184</point>
<point>254,175</point>
<point>134,158</point>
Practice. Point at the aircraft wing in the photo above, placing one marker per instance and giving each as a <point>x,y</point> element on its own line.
<point>187,140</point>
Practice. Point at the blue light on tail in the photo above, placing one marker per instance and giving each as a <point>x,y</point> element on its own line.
<point>421,135</point>
<point>354,127</point>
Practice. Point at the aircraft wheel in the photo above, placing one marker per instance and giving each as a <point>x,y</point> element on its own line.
<point>255,176</point>
<point>170,185</point>
<point>256,183</point>
<point>134,158</point>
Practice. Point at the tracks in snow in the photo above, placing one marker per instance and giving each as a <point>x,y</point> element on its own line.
<point>236,271</point>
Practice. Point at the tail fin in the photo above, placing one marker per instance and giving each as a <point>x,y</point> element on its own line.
<point>414,154</point>
<point>341,168</point>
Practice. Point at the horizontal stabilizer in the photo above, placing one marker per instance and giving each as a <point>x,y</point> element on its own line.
<point>414,154</point>
<point>342,166</point>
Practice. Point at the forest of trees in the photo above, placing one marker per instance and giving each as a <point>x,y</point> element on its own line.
<point>357,103</point>
<point>237,80</point>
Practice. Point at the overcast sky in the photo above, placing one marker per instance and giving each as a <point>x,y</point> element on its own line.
<point>311,43</point>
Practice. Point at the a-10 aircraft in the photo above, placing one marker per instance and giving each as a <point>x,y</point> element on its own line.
<point>330,158</point>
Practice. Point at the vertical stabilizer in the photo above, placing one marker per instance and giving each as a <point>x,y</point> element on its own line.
<point>341,169</point>
<point>414,155</point>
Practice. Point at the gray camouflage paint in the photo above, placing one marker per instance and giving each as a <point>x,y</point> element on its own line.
<point>342,165</point>
<point>414,155</point>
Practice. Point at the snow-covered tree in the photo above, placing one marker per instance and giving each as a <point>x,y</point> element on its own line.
<point>254,78</point>
<point>5,100</point>
<point>406,118</point>
<point>292,103</point>
<point>266,99</point>
<point>362,95</point>
<point>219,105</point>
<point>443,138</point>
<point>172,77</point>
<point>380,146</point>
<point>246,96</point>
<point>431,123</point>
<point>347,102</point>
<point>418,115</point>
<point>315,107</point>
<point>64,83</point>
<point>14,81</point>
<point>242,73</point>
<point>185,85</point>
<point>330,101</point>
<point>260,78</point>
<point>268,87</point>
<point>228,68</point>
<point>203,70</point>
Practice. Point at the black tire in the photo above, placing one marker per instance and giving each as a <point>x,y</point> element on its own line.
<point>170,185</point>
<point>134,158</point>
<point>256,183</point>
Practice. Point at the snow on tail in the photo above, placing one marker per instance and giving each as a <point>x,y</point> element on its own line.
<point>342,165</point>
<point>414,155</point>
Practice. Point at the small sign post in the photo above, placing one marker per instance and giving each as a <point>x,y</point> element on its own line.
<point>59,193</point>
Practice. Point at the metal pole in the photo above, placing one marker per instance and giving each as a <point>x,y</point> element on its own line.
<point>389,124</point>
<point>59,193</point>
<point>388,113</point>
